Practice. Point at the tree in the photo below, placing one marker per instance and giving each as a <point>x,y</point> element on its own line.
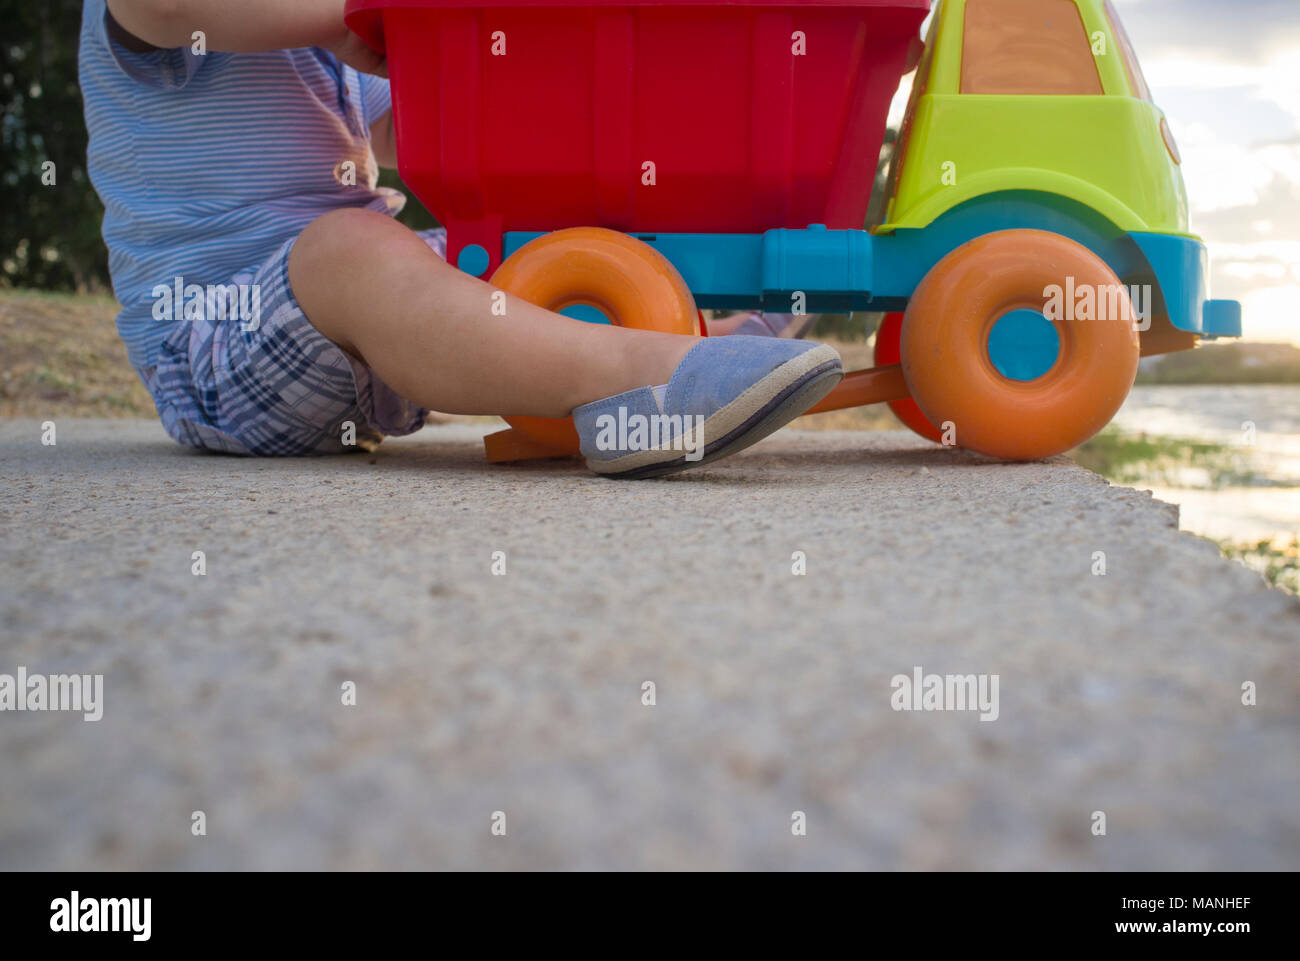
<point>49,233</point>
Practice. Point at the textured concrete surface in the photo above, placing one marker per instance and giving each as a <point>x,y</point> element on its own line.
<point>522,693</point>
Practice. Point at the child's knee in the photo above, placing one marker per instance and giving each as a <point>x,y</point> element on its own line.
<point>336,243</point>
<point>342,229</point>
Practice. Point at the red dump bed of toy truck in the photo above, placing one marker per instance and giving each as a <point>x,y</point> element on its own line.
<point>639,115</point>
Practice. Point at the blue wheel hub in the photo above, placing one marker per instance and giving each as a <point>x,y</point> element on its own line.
<point>1023,345</point>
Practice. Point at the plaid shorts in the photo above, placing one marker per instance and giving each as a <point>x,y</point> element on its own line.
<point>279,388</point>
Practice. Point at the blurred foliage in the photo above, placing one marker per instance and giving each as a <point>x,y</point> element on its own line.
<point>1240,363</point>
<point>1278,560</point>
<point>1139,458</point>
<point>414,214</point>
<point>879,196</point>
<point>49,234</point>
<point>846,327</point>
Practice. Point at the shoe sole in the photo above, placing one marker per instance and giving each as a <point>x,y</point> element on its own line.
<point>796,391</point>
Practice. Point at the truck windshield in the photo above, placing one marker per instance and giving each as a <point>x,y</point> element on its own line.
<point>1026,47</point>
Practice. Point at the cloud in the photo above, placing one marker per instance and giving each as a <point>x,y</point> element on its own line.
<point>1265,91</point>
<point>1233,31</point>
<point>1225,175</point>
<point>1227,74</point>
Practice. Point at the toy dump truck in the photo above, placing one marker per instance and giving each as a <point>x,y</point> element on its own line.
<point>643,158</point>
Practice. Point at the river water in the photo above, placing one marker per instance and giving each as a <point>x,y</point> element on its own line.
<point>1260,424</point>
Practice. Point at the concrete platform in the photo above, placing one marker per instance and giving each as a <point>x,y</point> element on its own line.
<point>522,693</point>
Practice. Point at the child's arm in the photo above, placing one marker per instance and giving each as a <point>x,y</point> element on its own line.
<point>246,26</point>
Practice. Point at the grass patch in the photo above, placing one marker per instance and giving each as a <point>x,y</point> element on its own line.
<point>61,356</point>
<point>1129,459</point>
<point>1278,561</point>
<point>1136,459</point>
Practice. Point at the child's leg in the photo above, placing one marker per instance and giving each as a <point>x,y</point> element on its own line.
<point>427,329</point>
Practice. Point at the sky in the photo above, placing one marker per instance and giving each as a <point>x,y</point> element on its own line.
<point>1227,75</point>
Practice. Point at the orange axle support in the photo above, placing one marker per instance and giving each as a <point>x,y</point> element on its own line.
<point>862,387</point>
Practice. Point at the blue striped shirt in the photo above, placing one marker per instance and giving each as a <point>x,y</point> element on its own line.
<point>208,163</point>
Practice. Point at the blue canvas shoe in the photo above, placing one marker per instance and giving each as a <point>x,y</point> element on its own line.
<point>726,394</point>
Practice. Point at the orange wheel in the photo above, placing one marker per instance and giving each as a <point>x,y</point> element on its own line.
<point>1021,273</point>
<point>629,281</point>
<point>888,351</point>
